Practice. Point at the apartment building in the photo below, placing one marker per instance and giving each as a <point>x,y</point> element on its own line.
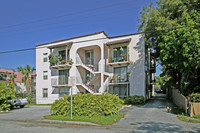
<point>97,63</point>
<point>20,87</point>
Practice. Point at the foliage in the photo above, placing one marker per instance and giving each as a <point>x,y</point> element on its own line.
<point>178,49</point>
<point>52,60</point>
<point>134,100</point>
<point>194,97</point>
<point>12,77</point>
<point>6,91</point>
<point>26,71</point>
<point>104,120</point>
<point>30,98</point>
<point>194,119</point>
<point>161,82</point>
<point>88,105</point>
<point>70,62</point>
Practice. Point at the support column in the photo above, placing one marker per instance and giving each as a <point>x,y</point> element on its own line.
<point>50,51</point>
<point>127,56</point>
<point>66,51</point>
<point>102,68</point>
<point>127,90</point>
<point>108,54</point>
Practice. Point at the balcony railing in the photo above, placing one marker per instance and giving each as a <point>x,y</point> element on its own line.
<point>121,58</point>
<point>57,62</point>
<point>56,83</point>
<point>119,79</point>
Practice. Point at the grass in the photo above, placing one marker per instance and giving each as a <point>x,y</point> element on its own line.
<point>184,117</point>
<point>103,120</point>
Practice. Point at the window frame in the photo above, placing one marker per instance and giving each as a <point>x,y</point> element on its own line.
<point>45,77</point>
<point>45,92</point>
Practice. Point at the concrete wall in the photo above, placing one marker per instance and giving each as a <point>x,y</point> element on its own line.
<point>179,100</point>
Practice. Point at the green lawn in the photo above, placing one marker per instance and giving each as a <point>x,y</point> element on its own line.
<point>103,120</point>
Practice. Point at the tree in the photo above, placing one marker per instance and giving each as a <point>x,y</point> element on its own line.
<point>26,71</point>
<point>12,77</point>
<point>178,49</point>
<point>6,92</point>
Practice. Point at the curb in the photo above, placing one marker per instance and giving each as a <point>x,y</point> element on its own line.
<point>69,122</point>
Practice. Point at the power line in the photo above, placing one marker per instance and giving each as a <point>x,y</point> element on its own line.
<point>75,19</point>
<point>69,14</point>
<point>27,49</point>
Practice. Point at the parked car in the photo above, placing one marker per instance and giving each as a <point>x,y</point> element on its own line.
<point>158,90</point>
<point>17,102</point>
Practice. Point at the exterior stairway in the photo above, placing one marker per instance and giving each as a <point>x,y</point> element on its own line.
<point>88,88</point>
<point>89,68</point>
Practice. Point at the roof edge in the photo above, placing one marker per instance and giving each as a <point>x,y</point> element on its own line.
<point>73,38</point>
<point>126,35</point>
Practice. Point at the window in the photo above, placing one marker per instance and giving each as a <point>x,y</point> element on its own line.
<point>45,75</point>
<point>44,57</point>
<point>63,76</point>
<point>63,91</point>
<point>120,54</point>
<point>89,57</point>
<point>62,55</point>
<point>45,92</point>
<point>121,91</point>
<point>120,74</point>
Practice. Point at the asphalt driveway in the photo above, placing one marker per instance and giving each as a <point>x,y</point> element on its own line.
<point>28,113</point>
<point>153,117</point>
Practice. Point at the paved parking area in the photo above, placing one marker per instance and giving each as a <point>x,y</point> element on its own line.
<point>28,113</point>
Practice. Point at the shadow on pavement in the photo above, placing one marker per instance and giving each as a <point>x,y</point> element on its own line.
<point>160,127</point>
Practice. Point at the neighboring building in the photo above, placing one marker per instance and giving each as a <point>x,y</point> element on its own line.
<point>20,85</point>
<point>97,63</point>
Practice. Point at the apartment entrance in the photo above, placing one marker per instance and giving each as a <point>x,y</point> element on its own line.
<point>89,57</point>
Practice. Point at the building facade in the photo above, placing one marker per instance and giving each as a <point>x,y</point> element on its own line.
<point>20,87</point>
<point>96,63</point>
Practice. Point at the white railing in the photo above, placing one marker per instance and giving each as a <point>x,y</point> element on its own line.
<point>54,81</point>
<point>106,84</point>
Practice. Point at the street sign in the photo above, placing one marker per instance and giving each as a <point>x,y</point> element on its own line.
<point>72,81</point>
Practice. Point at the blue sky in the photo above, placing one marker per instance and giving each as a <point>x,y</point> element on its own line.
<point>22,23</point>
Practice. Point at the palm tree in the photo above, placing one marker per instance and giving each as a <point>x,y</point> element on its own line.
<point>26,71</point>
<point>12,77</point>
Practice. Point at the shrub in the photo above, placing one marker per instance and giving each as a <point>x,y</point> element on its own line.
<point>134,100</point>
<point>6,91</point>
<point>88,105</point>
<point>194,97</point>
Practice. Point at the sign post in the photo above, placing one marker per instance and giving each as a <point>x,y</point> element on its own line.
<point>72,83</point>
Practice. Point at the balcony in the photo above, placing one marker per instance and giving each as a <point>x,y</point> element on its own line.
<point>118,56</point>
<point>56,83</point>
<point>59,62</point>
<point>123,79</point>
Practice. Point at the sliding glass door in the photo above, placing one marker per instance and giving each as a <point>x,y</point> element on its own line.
<point>63,76</point>
<point>89,57</point>
<point>120,74</point>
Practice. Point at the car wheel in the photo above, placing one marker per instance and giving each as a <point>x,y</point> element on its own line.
<point>11,106</point>
<point>21,106</point>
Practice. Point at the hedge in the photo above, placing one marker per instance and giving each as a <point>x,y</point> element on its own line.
<point>134,100</point>
<point>87,105</point>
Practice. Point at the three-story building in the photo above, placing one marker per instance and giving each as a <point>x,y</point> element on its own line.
<point>98,63</point>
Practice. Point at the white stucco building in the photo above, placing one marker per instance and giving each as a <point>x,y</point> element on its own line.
<point>98,63</point>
